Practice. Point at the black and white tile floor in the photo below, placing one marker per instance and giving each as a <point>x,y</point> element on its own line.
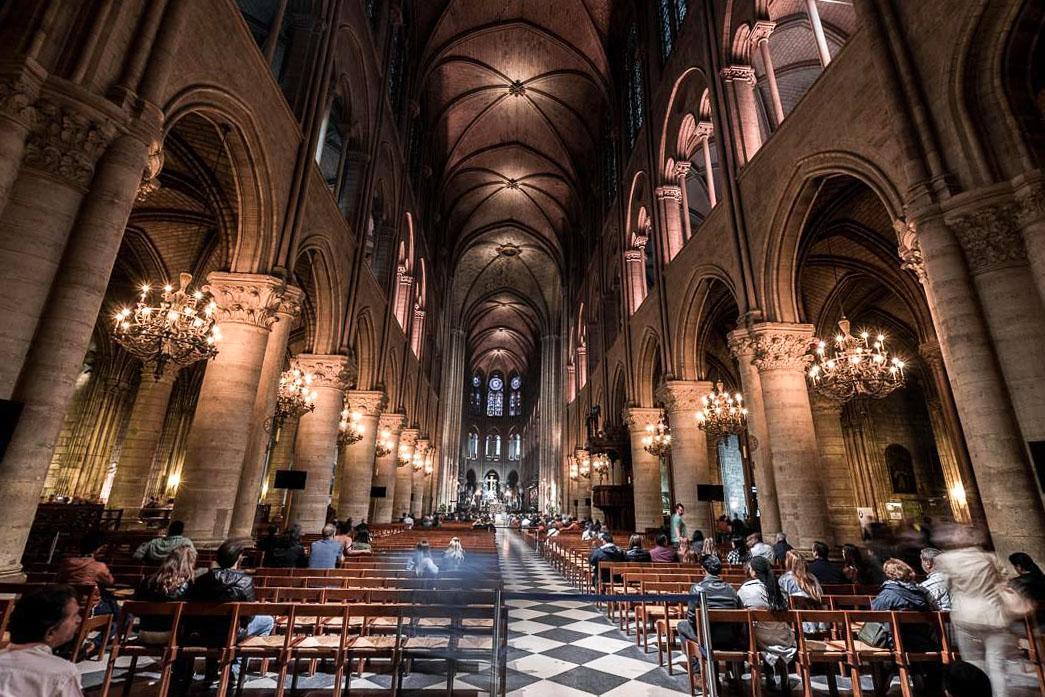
<point>567,648</point>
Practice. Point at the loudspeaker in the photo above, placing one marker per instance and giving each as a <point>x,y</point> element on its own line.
<point>378,492</point>
<point>290,479</point>
<point>711,492</point>
<point>10,412</point>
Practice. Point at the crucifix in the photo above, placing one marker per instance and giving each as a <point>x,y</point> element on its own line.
<point>491,481</point>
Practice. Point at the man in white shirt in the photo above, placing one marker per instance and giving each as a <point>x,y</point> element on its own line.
<point>759,548</point>
<point>42,620</point>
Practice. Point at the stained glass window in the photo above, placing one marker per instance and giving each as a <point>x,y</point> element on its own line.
<point>636,90</point>
<point>473,446</point>
<point>495,396</point>
<point>515,447</point>
<point>515,398</point>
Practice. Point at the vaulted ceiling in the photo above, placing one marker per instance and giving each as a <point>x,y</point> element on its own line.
<point>514,92</point>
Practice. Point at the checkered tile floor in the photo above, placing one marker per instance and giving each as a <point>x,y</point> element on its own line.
<point>567,648</point>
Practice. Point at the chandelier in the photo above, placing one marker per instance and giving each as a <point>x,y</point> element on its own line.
<point>405,455</point>
<point>350,428</point>
<point>295,396</point>
<point>178,328</point>
<point>722,414</point>
<point>600,464</point>
<point>419,461</point>
<point>428,469</point>
<point>855,367</point>
<point>574,473</point>
<point>384,445</point>
<point>583,463</point>
<point>657,440</point>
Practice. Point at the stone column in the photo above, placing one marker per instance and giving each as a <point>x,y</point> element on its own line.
<point>741,344</point>
<point>19,89</point>
<point>221,429</point>
<point>689,447</point>
<point>1030,210</point>
<point>403,475</point>
<point>316,451</point>
<point>873,487</point>
<point>681,172</point>
<point>760,37</point>
<point>417,480</point>
<point>997,261</point>
<point>452,379</point>
<point>838,473</point>
<point>818,32</point>
<point>385,468</point>
<point>740,96</point>
<point>1008,490</point>
<point>705,130</point>
<point>357,467</point>
<point>645,470</point>
<point>253,472</point>
<point>669,198</point>
<point>635,267</point>
<point>781,355</point>
<point>62,336</point>
<point>139,444</point>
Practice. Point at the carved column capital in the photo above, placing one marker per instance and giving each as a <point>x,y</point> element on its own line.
<point>738,73</point>
<point>290,303</point>
<point>781,346</point>
<point>18,91</point>
<point>669,192</point>
<point>682,396</point>
<point>408,437</point>
<point>909,249</point>
<point>741,345</point>
<point>370,402</point>
<point>681,171</point>
<point>637,418</point>
<point>931,354</point>
<point>332,371</point>
<point>65,143</point>
<point>394,422</point>
<point>1030,202</point>
<point>245,298</point>
<point>151,173</point>
<point>990,237</point>
<point>823,406</point>
<point>705,129</point>
<point>761,31</point>
<point>423,444</point>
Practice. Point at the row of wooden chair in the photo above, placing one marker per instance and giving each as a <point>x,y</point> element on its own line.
<point>88,598</point>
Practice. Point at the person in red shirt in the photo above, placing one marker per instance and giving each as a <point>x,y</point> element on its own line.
<point>84,570</point>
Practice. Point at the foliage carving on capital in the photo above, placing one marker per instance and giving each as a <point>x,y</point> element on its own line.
<point>761,31</point>
<point>394,422</point>
<point>681,171</point>
<point>1030,204</point>
<point>334,371</point>
<point>370,402</point>
<point>990,237</point>
<point>638,418</point>
<point>909,249</point>
<point>151,173</point>
<point>17,94</point>
<point>408,437</point>
<point>669,192</point>
<point>245,298</point>
<point>782,346</point>
<point>741,345</point>
<point>738,73</point>
<point>931,353</point>
<point>66,144</point>
<point>679,396</point>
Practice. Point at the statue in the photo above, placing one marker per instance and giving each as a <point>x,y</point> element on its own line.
<point>592,422</point>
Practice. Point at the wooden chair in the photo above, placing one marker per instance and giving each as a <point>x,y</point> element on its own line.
<point>274,647</point>
<point>830,648</point>
<point>729,656</point>
<point>862,655</point>
<point>124,644</point>
<point>907,660</point>
<point>6,607</point>
<point>190,647</point>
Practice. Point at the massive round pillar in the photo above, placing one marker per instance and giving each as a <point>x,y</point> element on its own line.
<point>357,461</point>
<point>403,485</point>
<point>385,467</point>
<point>689,448</point>
<point>645,471</point>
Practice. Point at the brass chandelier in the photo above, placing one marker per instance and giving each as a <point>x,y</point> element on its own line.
<point>419,460</point>
<point>580,465</point>
<point>657,440</point>
<point>405,455</point>
<point>295,396</point>
<point>722,414</point>
<point>600,464</point>
<point>384,445</point>
<point>350,427</point>
<point>856,366</point>
<point>178,328</point>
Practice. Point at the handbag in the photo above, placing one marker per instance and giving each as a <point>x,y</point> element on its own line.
<point>1016,604</point>
<point>874,634</point>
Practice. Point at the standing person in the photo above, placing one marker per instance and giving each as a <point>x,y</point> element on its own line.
<point>41,621</point>
<point>326,553</point>
<point>776,640</point>
<point>979,612</point>
<point>159,548</point>
<point>821,566</point>
<point>935,583</point>
<point>171,583</point>
<point>678,525</point>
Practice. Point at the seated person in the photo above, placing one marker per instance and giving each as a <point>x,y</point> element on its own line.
<point>159,548</point>
<point>421,563</point>
<point>83,569</point>
<point>821,567</point>
<point>775,640</point>
<point>635,552</point>
<point>171,583</point>
<point>759,548</point>
<point>453,557</point>
<point>606,552</point>
<point>267,543</point>
<point>900,592</point>
<point>287,551</point>
<point>720,596</point>
<point>326,553</point>
<point>41,621</point>
<point>361,542</point>
<point>662,551</point>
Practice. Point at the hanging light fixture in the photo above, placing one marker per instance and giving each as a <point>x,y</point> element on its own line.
<point>574,472</point>
<point>177,328</point>
<point>855,366</point>
<point>722,414</point>
<point>657,440</point>
<point>600,464</point>
<point>350,428</point>
<point>583,463</point>
<point>405,455</point>
<point>419,460</point>
<point>428,469</point>
<point>295,396</point>
<point>384,445</point>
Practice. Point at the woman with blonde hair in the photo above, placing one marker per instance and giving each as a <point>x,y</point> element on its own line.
<point>170,583</point>
<point>798,582</point>
<point>453,556</point>
<point>709,548</point>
